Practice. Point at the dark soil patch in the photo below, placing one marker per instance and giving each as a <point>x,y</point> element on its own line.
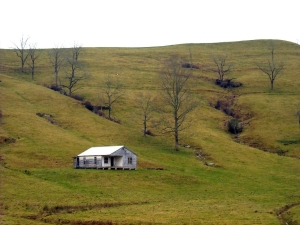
<point>7,140</point>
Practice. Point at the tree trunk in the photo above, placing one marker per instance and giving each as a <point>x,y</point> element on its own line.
<point>32,71</point>
<point>109,112</point>
<point>22,66</point>
<point>176,140</point>
<point>176,131</point>
<point>56,76</point>
<point>272,85</point>
<point>145,126</point>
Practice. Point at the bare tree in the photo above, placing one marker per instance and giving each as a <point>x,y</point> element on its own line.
<point>33,56</point>
<point>21,51</point>
<point>145,102</point>
<point>298,113</point>
<point>112,93</point>
<point>57,61</point>
<point>221,68</point>
<point>191,58</point>
<point>175,86</point>
<point>76,70</point>
<point>272,68</point>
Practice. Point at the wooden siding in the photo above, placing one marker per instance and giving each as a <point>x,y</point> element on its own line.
<point>89,162</point>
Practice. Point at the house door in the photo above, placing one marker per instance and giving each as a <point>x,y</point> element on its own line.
<point>77,162</point>
<point>112,161</point>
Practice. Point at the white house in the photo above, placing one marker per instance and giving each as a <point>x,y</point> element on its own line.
<point>107,157</point>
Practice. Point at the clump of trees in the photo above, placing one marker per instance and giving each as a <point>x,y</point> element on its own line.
<point>175,79</point>
<point>59,58</point>
<point>24,53</point>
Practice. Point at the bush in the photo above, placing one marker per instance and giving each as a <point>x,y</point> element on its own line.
<point>77,97</point>
<point>225,105</point>
<point>189,65</point>
<point>234,126</point>
<point>100,113</point>
<point>58,89</point>
<point>148,132</point>
<point>55,88</point>
<point>88,105</point>
<point>227,83</point>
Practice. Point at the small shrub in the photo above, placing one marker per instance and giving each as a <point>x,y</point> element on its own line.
<point>50,120</point>
<point>100,113</point>
<point>88,105</point>
<point>27,172</point>
<point>40,114</point>
<point>101,107</point>
<point>225,104</point>
<point>236,84</point>
<point>228,111</point>
<point>234,126</point>
<point>227,83</point>
<point>189,65</point>
<point>55,88</point>
<point>148,132</point>
<point>45,208</point>
<point>281,152</point>
<point>78,97</point>
<point>218,104</point>
<point>114,120</point>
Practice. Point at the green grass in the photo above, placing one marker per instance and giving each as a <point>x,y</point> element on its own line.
<point>247,185</point>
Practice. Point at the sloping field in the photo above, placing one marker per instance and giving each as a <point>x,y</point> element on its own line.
<point>255,179</point>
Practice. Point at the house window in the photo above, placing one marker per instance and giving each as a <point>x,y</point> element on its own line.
<point>95,160</point>
<point>129,160</point>
<point>105,160</point>
<point>83,160</point>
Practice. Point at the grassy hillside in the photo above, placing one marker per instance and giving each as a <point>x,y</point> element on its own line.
<point>248,185</point>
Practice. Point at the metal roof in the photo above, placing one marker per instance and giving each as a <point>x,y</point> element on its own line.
<point>105,150</point>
